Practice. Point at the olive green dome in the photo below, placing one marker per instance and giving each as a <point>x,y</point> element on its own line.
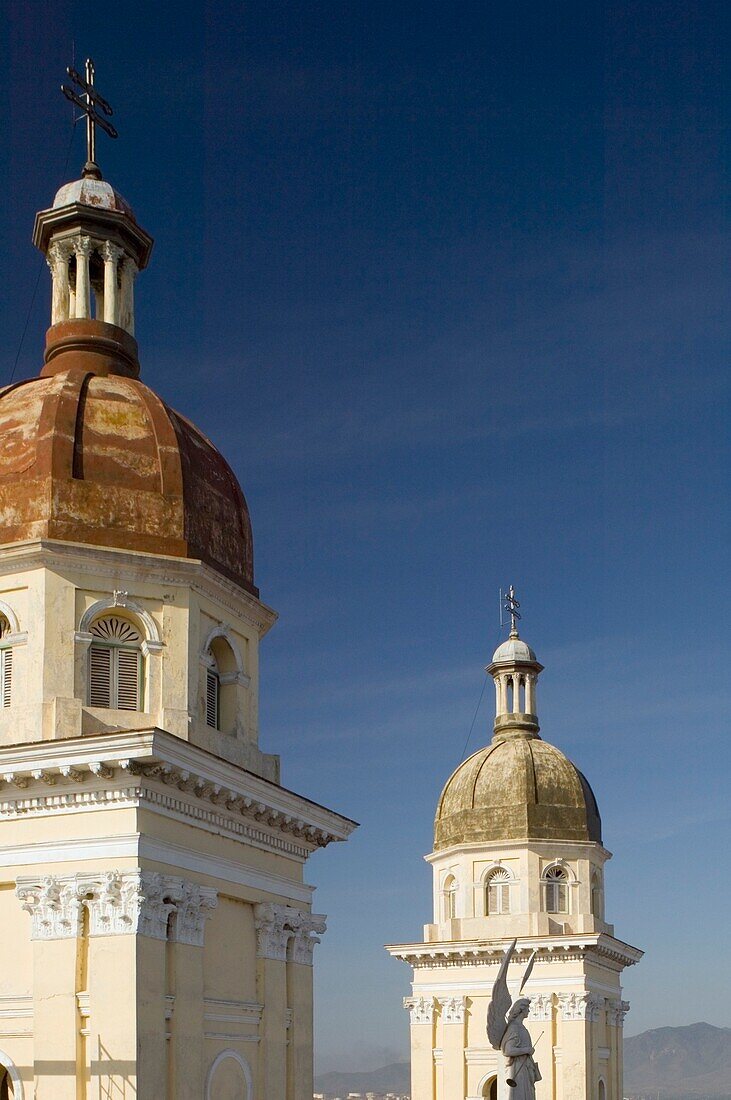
<point>517,788</point>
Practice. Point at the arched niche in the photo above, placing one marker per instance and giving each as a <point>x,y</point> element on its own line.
<point>10,1082</point>
<point>229,1078</point>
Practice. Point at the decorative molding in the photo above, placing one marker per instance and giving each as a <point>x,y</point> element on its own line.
<point>223,630</point>
<point>118,903</point>
<point>120,599</point>
<point>616,1012</point>
<point>240,1061</point>
<point>580,1006</point>
<point>595,946</point>
<point>453,1009</point>
<point>283,932</point>
<point>420,1009</point>
<point>541,1007</point>
<point>12,1070</point>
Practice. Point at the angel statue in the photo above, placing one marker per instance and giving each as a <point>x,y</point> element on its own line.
<point>507,1031</point>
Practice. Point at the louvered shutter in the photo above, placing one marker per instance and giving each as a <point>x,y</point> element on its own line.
<point>212,686</point>
<point>6,668</point>
<point>128,679</point>
<point>492,898</point>
<point>505,898</point>
<point>100,676</point>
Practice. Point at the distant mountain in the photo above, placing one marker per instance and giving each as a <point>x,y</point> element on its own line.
<point>680,1062</point>
<point>393,1078</point>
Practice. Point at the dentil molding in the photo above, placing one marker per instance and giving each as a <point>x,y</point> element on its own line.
<point>285,933</point>
<point>142,903</point>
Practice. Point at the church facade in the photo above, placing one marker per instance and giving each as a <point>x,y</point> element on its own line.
<point>518,854</point>
<point>157,924</point>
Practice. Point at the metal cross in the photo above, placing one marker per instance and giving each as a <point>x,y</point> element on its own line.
<point>91,103</point>
<point>511,606</point>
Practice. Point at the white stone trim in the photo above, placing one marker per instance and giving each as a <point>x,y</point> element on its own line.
<point>238,1058</point>
<point>9,1065</point>
<point>285,933</point>
<point>10,615</point>
<point>119,599</point>
<point>118,903</point>
<point>573,947</point>
<point>420,1009</point>
<point>453,1010</point>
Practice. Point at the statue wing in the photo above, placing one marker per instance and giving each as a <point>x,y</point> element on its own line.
<point>501,1001</point>
<point>528,970</point>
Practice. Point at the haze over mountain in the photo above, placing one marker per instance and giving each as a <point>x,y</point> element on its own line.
<point>679,1062</point>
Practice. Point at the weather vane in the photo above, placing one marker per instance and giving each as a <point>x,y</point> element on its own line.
<point>510,604</point>
<point>91,103</point>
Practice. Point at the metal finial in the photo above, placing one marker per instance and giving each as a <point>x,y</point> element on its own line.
<point>91,103</point>
<point>511,606</point>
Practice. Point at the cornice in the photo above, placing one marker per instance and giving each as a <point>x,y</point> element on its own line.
<point>155,768</point>
<point>598,947</point>
<point>573,848</point>
<point>99,561</point>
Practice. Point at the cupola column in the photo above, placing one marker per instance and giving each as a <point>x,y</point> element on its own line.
<point>515,671</point>
<point>111,254</point>
<point>127,308</point>
<point>82,248</point>
<point>58,261</point>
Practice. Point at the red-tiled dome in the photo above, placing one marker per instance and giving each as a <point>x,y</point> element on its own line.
<point>90,454</point>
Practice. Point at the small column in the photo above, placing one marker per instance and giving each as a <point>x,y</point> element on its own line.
<point>273,934</point>
<point>126,306</point>
<point>423,1076</point>
<point>300,1070</point>
<point>111,254</point>
<point>530,693</point>
<point>82,248</point>
<point>58,261</point>
<point>453,1046</point>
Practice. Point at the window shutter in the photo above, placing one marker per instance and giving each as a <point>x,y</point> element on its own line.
<point>212,699</point>
<point>128,679</point>
<point>7,675</point>
<point>505,899</point>
<point>100,676</point>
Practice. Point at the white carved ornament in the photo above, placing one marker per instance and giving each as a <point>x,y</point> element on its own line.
<point>580,1006</point>
<point>421,1009</point>
<point>541,1007</point>
<point>118,903</point>
<point>616,1012</point>
<point>283,932</point>
<point>453,1009</point>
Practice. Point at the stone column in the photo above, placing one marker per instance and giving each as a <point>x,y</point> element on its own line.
<point>82,248</point>
<point>273,934</point>
<point>530,693</point>
<point>56,925</point>
<point>454,1012</point>
<point>185,983</point>
<point>126,305</point>
<point>57,259</point>
<point>423,1080</point>
<point>300,1070</point>
<point>111,254</point>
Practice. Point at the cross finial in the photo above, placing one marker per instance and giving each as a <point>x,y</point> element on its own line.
<point>511,606</point>
<point>91,103</point>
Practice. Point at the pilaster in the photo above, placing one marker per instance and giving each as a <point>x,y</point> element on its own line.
<point>423,1074</point>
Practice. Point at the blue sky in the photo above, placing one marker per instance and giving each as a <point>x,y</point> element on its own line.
<point>448,286</point>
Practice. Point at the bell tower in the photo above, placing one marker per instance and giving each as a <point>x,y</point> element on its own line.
<point>158,926</point>
<point>518,854</point>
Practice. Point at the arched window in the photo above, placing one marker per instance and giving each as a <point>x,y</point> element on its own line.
<point>597,896</point>
<point>222,677</point>
<point>497,898</point>
<point>6,668</point>
<point>489,1089</point>
<point>556,885</point>
<point>6,1086</point>
<point>213,694</point>
<point>602,1090</point>
<point>115,664</point>
<point>449,897</point>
